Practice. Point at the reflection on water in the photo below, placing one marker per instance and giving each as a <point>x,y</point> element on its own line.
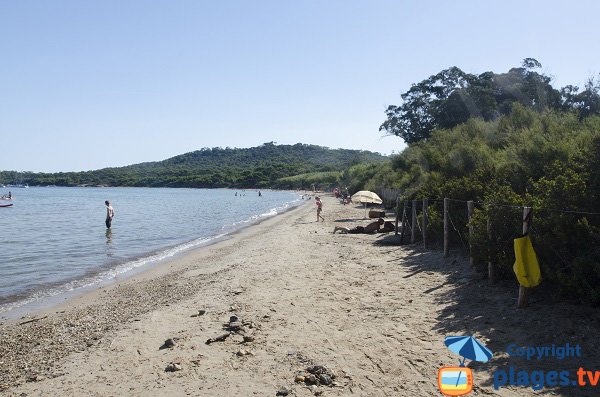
<point>109,250</point>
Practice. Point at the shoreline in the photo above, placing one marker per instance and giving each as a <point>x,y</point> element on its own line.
<point>34,306</point>
<point>161,268</point>
<point>55,324</point>
<point>373,314</point>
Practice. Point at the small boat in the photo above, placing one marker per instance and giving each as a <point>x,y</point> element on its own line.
<point>6,205</point>
<point>5,198</point>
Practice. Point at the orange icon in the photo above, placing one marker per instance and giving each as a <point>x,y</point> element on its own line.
<point>455,381</point>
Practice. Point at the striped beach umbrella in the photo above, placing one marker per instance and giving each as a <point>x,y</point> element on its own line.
<point>469,348</point>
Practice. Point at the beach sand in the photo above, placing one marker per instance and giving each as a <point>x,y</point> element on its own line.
<point>373,314</point>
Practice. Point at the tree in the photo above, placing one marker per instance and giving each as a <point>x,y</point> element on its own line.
<point>423,105</point>
<point>586,102</point>
<point>452,96</point>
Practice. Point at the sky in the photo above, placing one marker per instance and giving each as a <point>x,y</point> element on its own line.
<point>92,84</point>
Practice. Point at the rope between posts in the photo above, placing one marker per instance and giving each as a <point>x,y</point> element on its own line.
<point>568,211</point>
<point>457,231</point>
<point>520,207</point>
<point>418,224</point>
<point>458,201</point>
<point>404,216</point>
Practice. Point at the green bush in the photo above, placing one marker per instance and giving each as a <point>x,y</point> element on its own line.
<point>549,161</point>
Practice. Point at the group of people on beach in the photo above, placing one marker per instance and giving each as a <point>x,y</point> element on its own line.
<point>380,225</point>
<point>370,228</point>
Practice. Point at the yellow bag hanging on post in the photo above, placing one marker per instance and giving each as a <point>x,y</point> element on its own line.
<point>526,268</point>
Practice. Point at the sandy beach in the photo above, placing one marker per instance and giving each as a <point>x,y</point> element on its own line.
<point>287,299</point>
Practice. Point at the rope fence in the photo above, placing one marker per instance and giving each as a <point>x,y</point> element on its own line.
<point>460,217</point>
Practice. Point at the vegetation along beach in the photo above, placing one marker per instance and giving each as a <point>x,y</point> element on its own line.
<point>299,199</point>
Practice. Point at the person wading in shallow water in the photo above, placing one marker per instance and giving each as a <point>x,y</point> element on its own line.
<point>319,204</point>
<point>110,213</point>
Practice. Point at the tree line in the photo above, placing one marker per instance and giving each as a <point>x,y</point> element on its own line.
<point>266,166</point>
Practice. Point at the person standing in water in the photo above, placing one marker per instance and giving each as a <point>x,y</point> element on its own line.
<point>319,208</point>
<point>110,213</point>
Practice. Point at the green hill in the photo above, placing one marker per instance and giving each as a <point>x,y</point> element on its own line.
<point>268,165</point>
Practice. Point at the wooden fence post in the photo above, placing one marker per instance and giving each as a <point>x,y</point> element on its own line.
<point>397,214</point>
<point>413,235</point>
<point>470,207</point>
<point>425,201</point>
<point>446,246</point>
<point>527,214</point>
<point>491,270</point>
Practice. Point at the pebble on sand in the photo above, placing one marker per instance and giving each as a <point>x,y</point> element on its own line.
<point>173,367</point>
<point>169,343</point>
<point>201,312</point>
<point>284,391</point>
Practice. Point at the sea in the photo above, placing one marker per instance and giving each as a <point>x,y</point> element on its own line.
<point>54,242</point>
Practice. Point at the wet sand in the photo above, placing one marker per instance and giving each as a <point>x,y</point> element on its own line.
<point>374,315</point>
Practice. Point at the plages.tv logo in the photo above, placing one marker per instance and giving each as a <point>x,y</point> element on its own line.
<point>458,380</point>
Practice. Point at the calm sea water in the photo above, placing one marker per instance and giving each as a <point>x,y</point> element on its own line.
<point>54,240</point>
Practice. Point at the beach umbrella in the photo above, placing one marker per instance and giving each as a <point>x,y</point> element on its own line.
<point>469,348</point>
<point>365,196</point>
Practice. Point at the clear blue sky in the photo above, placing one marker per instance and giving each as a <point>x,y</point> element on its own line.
<point>92,84</point>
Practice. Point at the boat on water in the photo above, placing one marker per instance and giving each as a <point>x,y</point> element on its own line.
<point>6,205</point>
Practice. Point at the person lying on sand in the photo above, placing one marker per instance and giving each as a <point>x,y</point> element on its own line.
<point>387,227</point>
<point>370,228</point>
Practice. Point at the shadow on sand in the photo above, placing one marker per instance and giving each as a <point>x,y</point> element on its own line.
<point>472,307</point>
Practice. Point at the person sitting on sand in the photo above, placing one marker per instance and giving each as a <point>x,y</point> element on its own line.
<point>370,228</point>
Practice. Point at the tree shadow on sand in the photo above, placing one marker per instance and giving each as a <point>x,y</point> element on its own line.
<point>469,306</point>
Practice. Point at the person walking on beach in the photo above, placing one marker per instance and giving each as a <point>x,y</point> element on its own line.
<point>110,213</point>
<point>319,204</point>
